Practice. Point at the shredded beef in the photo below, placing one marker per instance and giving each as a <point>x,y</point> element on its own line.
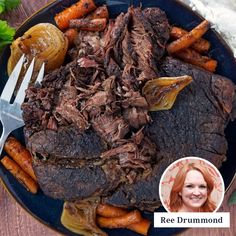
<point>99,91</point>
<point>110,128</point>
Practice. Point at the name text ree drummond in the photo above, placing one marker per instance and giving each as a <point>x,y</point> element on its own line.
<point>192,219</point>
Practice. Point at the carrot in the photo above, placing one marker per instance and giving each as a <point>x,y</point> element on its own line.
<point>89,25</point>
<point>106,210</point>
<point>71,35</point>
<point>77,10</point>
<point>201,45</point>
<point>140,227</point>
<point>120,221</point>
<point>20,175</point>
<point>100,12</point>
<point>20,155</point>
<point>188,39</point>
<point>193,57</point>
<point>210,65</point>
<point>177,32</point>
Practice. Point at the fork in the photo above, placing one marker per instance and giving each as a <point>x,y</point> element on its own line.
<point>11,113</point>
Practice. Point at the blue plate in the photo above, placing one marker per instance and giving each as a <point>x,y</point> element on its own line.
<point>48,210</point>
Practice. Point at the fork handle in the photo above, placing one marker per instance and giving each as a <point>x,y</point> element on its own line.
<point>3,138</point>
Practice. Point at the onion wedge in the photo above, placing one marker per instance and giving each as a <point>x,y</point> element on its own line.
<point>161,93</point>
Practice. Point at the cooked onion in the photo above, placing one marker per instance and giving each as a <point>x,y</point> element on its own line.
<point>80,217</point>
<point>161,93</point>
<point>43,41</point>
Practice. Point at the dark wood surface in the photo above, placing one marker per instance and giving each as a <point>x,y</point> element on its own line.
<point>15,221</point>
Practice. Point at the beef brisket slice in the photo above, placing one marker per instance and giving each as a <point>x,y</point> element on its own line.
<point>196,123</point>
<point>68,180</point>
<point>66,142</point>
<point>193,127</point>
<point>64,162</point>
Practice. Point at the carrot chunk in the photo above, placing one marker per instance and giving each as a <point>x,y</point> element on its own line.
<point>201,45</point>
<point>107,210</point>
<point>19,174</point>
<point>193,57</point>
<point>20,155</point>
<point>116,215</point>
<point>77,10</point>
<point>188,39</point>
<point>120,221</point>
<point>140,227</point>
<point>71,35</point>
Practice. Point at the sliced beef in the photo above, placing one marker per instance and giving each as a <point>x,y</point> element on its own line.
<point>199,116</point>
<point>67,142</point>
<point>69,179</point>
<point>64,162</point>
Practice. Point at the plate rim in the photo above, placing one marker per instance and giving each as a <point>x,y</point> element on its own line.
<point>25,22</point>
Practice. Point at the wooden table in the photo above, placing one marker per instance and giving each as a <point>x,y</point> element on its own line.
<point>15,221</point>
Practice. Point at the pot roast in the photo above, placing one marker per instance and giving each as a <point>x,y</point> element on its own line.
<point>88,125</point>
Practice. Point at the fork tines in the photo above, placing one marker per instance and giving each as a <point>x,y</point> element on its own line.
<point>12,81</point>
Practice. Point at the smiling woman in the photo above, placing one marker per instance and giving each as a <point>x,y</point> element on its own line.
<point>191,185</point>
<point>191,191</point>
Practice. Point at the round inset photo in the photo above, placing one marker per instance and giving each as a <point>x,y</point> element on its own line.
<point>191,184</point>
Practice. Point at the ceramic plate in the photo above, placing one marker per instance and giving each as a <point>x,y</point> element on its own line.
<point>48,210</point>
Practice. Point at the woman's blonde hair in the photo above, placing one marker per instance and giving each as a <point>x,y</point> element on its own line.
<point>176,200</point>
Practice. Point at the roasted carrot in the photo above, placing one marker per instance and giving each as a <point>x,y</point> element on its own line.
<point>201,45</point>
<point>100,12</point>
<point>20,155</point>
<point>210,65</point>
<point>140,227</point>
<point>77,10</point>
<point>89,25</point>
<point>71,35</point>
<point>193,57</point>
<point>120,221</point>
<point>20,175</point>
<point>107,210</point>
<point>188,39</point>
<point>177,32</point>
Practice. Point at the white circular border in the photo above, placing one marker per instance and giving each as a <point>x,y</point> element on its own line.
<point>193,158</point>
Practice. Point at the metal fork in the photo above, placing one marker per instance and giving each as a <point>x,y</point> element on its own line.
<point>11,114</point>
